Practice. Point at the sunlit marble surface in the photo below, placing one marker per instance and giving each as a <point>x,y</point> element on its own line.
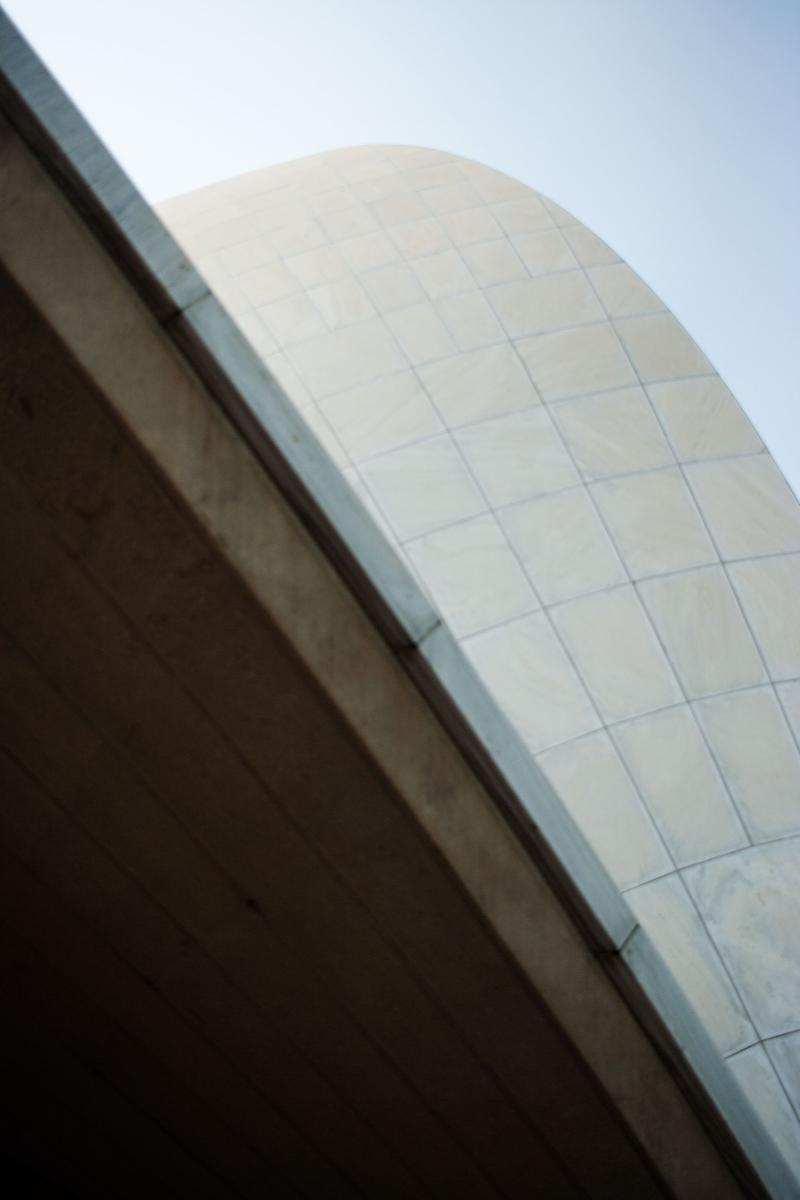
<point>591,511</point>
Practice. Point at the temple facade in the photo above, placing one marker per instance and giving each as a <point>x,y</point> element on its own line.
<point>591,511</point>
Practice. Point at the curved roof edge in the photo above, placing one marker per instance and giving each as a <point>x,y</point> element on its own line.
<point>203,334</point>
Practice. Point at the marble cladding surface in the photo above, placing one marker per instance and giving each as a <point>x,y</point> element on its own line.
<point>591,511</point>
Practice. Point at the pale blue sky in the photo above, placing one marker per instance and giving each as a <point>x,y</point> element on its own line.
<point>670,127</point>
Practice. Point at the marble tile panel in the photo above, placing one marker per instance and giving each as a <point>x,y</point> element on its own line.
<point>371,166</point>
<point>471,225</point>
<point>451,197</point>
<point>494,262</point>
<point>750,903</point>
<point>393,286</point>
<point>590,779</point>
<point>527,215</point>
<point>660,348</point>
<point>246,256</point>
<point>654,522</point>
<point>622,291</point>
<point>341,303</point>
<point>757,1079</point>
<point>670,762</point>
<point>332,200</point>
<point>769,589</point>
<point>703,419</point>
<point>379,187</point>
<point>408,158</point>
<point>702,628</point>
<point>443,274</point>
<point>269,282</point>
<point>533,681</point>
<point>563,546</point>
<point>419,238</point>
<point>368,191</point>
<point>617,654</point>
<point>748,505</point>
<point>298,237</point>
<point>668,916</point>
<point>470,320</point>
<point>576,361</point>
<point>313,178</point>
<point>751,741</point>
<point>544,252</point>
<point>421,333</point>
<point>399,209</point>
<point>559,214</point>
<point>472,575</point>
<point>293,319</point>
<point>317,267</point>
<point>493,186</point>
<point>613,433</point>
<point>485,383</point>
<point>382,415</point>
<point>343,359</point>
<point>546,303</point>
<point>423,487</point>
<point>369,251</point>
<point>438,175</point>
<point>228,232</point>
<point>587,247</point>
<point>281,210</point>
<point>517,456</point>
<point>348,222</point>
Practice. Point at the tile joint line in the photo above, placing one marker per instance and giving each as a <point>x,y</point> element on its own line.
<point>620,949</point>
<point>438,623</point>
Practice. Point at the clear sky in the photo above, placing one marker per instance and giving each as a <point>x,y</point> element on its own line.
<point>670,127</point>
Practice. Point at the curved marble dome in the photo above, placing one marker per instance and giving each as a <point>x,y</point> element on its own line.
<point>591,511</point>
